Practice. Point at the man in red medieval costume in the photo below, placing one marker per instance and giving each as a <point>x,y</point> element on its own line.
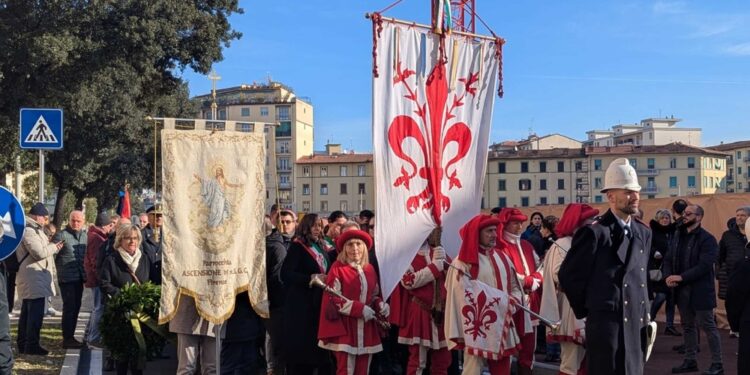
<point>347,325</point>
<point>418,309</point>
<point>526,263</point>
<point>482,290</point>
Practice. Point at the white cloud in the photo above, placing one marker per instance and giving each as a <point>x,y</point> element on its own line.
<point>669,7</point>
<point>741,49</point>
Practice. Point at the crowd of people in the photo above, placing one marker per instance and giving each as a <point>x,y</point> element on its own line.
<point>583,288</point>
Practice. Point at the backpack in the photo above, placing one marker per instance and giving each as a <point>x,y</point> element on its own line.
<point>12,265</point>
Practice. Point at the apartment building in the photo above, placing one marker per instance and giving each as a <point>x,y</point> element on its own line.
<point>522,178</point>
<point>289,135</point>
<point>335,181</point>
<point>535,142</point>
<point>738,165</point>
<point>649,132</point>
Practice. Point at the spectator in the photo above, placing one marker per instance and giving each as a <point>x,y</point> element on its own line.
<point>35,283</point>
<point>364,219</point>
<point>143,220</point>
<point>662,230</point>
<point>550,350</point>
<point>738,309</point>
<point>532,234</point>
<point>71,275</point>
<point>152,240</point>
<point>97,236</point>
<point>732,250</point>
<point>689,267</point>
<point>678,207</point>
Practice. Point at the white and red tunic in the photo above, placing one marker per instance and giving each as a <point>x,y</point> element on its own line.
<point>526,263</point>
<point>342,325</point>
<point>413,299</point>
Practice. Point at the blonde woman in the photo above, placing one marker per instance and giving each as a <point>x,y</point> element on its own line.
<point>347,325</point>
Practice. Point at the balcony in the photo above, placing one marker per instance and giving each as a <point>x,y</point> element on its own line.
<point>747,158</point>
<point>648,172</point>
<point>650,189</point>
<point>285,185</point>
<point>582,193</point>
<point>730,179</point>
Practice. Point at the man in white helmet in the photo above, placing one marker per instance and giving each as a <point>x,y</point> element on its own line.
<point>604,277</point>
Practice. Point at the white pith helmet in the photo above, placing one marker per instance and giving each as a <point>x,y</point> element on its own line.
<point>620,175</point>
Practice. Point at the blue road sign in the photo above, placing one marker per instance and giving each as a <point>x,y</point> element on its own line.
<point>41,129</point>
<point>13,221</point>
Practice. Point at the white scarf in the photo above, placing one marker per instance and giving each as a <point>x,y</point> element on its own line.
<point>131,260</point>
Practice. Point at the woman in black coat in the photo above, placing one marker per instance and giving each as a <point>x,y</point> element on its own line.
<point>662,230</point>
<point>738,312</point>
<point>305,258</point>
<point>126,265</point>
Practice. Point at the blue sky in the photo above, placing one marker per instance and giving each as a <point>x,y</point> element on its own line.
<point>569,66</point>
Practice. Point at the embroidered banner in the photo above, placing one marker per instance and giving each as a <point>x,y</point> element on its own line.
<point>431,122</point>
<point>213,199</point>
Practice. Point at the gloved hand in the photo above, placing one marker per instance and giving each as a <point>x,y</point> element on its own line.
<point>438,257</point>
<point>384,309</point>
<point>368,313</point>
<point>512,302</point>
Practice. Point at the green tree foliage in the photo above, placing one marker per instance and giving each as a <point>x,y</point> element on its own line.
<point>108,64</point>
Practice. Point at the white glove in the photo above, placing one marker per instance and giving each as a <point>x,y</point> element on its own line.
<point>535,284</point>
<point>368,313</point>
<point>384,309</point>
<point>438,257</point>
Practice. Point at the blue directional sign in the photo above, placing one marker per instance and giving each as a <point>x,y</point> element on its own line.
<point>41,129</point>
<point>12,220</point>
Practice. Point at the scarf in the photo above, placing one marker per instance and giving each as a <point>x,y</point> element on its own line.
<point>130,260</point>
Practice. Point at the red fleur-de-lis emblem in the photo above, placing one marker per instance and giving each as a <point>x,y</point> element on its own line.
<point>478,315</point>
<point>433,128</point>
<point>408,279</point>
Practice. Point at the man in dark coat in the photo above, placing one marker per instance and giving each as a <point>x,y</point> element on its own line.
<point>277,244</point>
<point>604,277</point>
<point>689,270</point>
<point>738,310</point>
<point>732,249</point>
<point>152,239</point>
<point>71,274</point>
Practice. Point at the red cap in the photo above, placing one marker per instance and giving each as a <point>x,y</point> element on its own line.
<point>469,252</point>
<point>573,217</point>
<point>511,214</point>
<point>351,234</point>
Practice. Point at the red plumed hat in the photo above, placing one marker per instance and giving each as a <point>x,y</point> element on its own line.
<point>573,217</point>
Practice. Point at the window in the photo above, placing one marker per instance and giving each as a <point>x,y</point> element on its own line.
<point>502,202</point>
<point>306,171</point>
<point>361,170</point>
<point>323,206</point>
<point>542,166</point>
<point>633,163</point>
<point>524,184</point>
<point>691,181</point>
<point>524,167</point>
<point>283,147</point>
<point>561,166</point>
<point>579,166</point>
<point>283,179</point>
<point>501,185</point>
<point>361,189</point>
<point>739,155</point>
<point>501,167</point>
<point>560,200</point>
<point>524,201</point>
<point>245,112</point>
<point>651,183</point>
<point>691,162</point>
<point>323,171</point>
<point>282,114</point>
<point>560,184</point>
<point>597,182</point>
<point>284,164</point>
<point>284,129</point>
<point>672,182</point>
<point>342,170</point>
<point>264,111</point>
<point>651,163</point>
<point>343,189</point>
<point>673,163</point>
<point>597,164</point>
<point>344,206</point>
<point>543,184</point>
<point>306,206</point>
<point>222,114</point>
<point>542,201</point>
<point>739,171</point>
<point>323,189</point>
<point>305,189</point>
<point>650,196</point>
<point>598,199</point>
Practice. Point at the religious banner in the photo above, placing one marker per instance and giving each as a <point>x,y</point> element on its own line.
<point>213,200</point>
<point>433,99</point>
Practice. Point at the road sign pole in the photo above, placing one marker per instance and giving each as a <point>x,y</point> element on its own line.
<point>41,176</point>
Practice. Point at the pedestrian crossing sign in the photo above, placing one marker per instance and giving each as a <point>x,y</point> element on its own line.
<point>41,129</point>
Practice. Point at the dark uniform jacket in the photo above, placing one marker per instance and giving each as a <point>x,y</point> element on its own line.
<point>276,247</point>
<point>692,256</point>
<point>604,277</point>
<point>738,312</point>
<point>153,251</point>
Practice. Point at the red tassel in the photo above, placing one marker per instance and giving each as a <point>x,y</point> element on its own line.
<point>499,42</point>
<point>377,28</point>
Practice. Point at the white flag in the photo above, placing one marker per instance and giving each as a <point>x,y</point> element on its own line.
<point>431,122</point>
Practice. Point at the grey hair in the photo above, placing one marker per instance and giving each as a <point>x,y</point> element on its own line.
<point>662,213</point>
<point>744,208</point>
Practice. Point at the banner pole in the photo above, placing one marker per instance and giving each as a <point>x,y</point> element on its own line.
<point>41,176</point>
<point>217,333</point>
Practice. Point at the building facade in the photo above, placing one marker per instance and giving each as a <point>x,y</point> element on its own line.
<point>289,137</point>
<point>535,142</point>
<point>738,165</point>
<point>526,178</point>
<point>335,181</point>
<point>649,132</point>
